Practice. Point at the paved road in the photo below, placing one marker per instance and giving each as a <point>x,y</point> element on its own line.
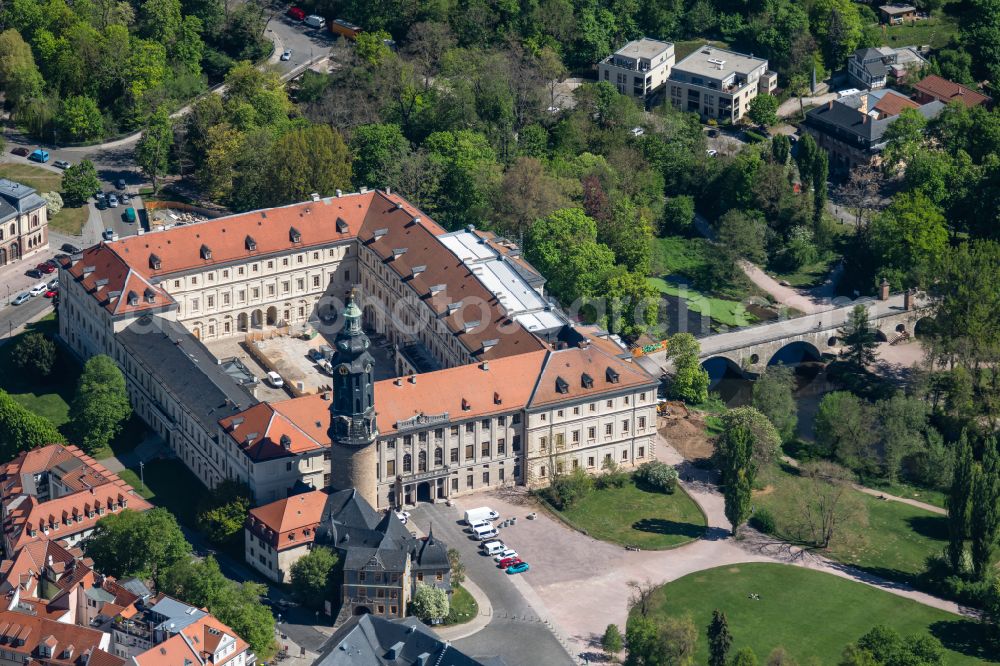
<point>516,633</point>
<point>15,316</point>
<point>790,106</point>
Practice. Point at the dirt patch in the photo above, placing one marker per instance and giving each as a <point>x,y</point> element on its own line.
<point>766,490</point>
<point>687,434</point>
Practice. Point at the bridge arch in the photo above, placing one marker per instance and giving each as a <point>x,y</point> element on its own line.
<point>720,367</point>
<point>923,327</point>
<point>797,351</point>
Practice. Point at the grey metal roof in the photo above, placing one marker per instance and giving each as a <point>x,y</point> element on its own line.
<point>21,197</point>
<point>366,640</point>
<point>186,368</point>
<point>176,614</point>
<point>136,587</point>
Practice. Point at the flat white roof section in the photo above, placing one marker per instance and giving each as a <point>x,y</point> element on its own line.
<point>525,305</point>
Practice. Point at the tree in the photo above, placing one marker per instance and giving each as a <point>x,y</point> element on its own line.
<point>763,110</point>
<point>735,452</point>
<point>745,657</point>
<point>201,583</point>
<point>740,235</point>
<point>22,429</point>
<point>80,119</point>
<point>80,182</point>
<point>773,396</point>
<point>133,543</point>
<point>765,442</point>
<point>527,193</point>
<point>611,642</point>
<point>457,567</point>
<point>372,47</point>
<point>909,238</point>
<point>379,151</point>
<point>678,214</point>
<point>657,475</point>
<point>670,641</point>
<point>101,404</point>
<point>985,518</point>
<point>845,428</point>
<point>564,247</point>
<point>153,149</point>
<point>883,646</point>
<point>34,354</point>
<point>779,657</point>
<point>313,159</point>
<point>312,576</point>
<point>903,137</point>
<point>19,76</point>
<point>960,503</point>
<point>223,512</point>
<point>829,504</point>
<point>719,639</point>
<point>429,603</point>
<point>690,382</point>
<point>781,149</point>
<point>53,203</point>
<point>859,339</point>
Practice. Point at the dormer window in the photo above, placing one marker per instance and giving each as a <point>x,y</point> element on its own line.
<point>342,226</point>
<point>250,243</point>
<point>154,262</point>
<point>206,252</point>
<point>133,298</point>
<point>294,235</point>
<point>561,385</point>
<point>149,295</point>
<point>587,381</point>
<point>612,375</point>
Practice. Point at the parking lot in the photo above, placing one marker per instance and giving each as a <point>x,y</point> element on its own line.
<point>289,357</point>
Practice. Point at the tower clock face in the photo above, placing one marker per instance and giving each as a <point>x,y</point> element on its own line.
<point>368,367</point>
<point>343,370</point>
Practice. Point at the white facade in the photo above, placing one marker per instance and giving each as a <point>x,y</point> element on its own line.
<point>639,68</point>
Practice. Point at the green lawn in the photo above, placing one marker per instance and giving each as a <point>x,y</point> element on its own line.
<point>687,47</point>
<point>679,254</point>
<point>890,539</point>
<point>171,485</point>
<point>68,220</point>
<point>936,32</point>
<point>463,607</point>
<point>631,515</point>
<point>48,397</point>
<point>730,313</point>
<point>928,496</point>
<point>813,615</point>
<point>810,275</point>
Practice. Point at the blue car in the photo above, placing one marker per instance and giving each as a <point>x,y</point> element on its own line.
<point>518,568</point>
<point>39,155</point>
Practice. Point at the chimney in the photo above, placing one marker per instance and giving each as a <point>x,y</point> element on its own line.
<point>829,105</point>
<point>908,299</point>
<point>883,290</point>
<point>864,119</point>
<point>864,104</point>
<point>314,196</point>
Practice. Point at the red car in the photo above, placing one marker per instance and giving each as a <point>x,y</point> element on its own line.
<point>509,562</point>
<point>51,293</point>
<point>21,151</point>
<point>296,13</point>
<point>46,268</point>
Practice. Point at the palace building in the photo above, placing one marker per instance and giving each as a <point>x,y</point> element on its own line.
<point>489,384</point>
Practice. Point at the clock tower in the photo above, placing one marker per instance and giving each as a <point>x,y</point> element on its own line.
<point>353,428</point>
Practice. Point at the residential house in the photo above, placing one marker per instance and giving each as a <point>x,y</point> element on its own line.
<point>639,69</point>
<point>38,640</point>
<point>873,68</point>
<point>719,84</point>
<point>897,13</point>
<point>932,87</point>
<point>375,641</point>
<point>24,222</point>
<point>851,128</point>
<point>58,492</point>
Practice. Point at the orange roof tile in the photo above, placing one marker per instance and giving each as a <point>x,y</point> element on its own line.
<point>892,104</point>
<point>263,432</point>
<point>946,91</point>
<point>578,373</point>
<point>292,515</point>
<point>33,630</point>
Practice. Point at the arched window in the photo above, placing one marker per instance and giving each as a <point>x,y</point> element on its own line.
<point>407,463</point>
<point>438,456</point>
<point>422,461</point>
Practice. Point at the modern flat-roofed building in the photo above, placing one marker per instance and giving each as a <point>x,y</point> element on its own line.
<point>718,83</point>
<point>897,13</point>
<point>639,68</point>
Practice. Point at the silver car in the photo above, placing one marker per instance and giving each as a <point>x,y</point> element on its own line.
<point>23,297</point>
<point>113,201</point>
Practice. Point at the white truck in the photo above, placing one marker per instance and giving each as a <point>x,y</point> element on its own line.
<point>314,21</point>
<point>481,513</point>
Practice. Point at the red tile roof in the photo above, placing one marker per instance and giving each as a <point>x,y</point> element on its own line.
<point>22,634</point>
<point>26,514</point>
<point>262,431</point>
<point>892,104</point>
<point>946,91</point>
<point>297,516</point>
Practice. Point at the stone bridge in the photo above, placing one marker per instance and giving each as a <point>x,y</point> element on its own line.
<point>752,349</point>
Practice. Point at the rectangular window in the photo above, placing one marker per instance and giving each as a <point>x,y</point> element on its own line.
<point>593,407</point>
<point>454,484</point>
<point>501,446</point>
<point>590,461</point>
<point>576,436</point>
<point>642,397</point>
<point>468,481</point>
<point>642,452</point>
<point>624,455</point>
<point>501,474</point>
<point>501,420</point>
<point>210,301</point>
<point>315,281</point>
<point>486,477</point>
<point>469,451</point>
<point>642,422</point>
<point>300,284</point>
<point>576,464</point>
<point>591,433</point>
<point>284,262</point>
<point>543,443</point>
<point>625,425</point>
<point>470,427</point>
<point>608,429</point>
<point>270,264</point>
<point>454,431</point>
<point>516,419</point>
<point>485,449</point>
<point>390,468</point>
<point>576,411</point>
<point>611,403</point>
<point>453,456</point>
<point>225,298</point>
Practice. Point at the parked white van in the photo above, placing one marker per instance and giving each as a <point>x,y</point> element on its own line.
<point>479,523</point>
<point>480,514</point>
<point>493,547</point>
<point>485,532</point>
<point>314,21</point>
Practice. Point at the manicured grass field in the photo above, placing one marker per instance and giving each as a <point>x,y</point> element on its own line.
<point>631,515</point>
<point>890,539</point>
<point>171,485</point>
<point>68,220</point>
<point>730,313</point>
<point>463,607</point>
<point>813,615</point>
